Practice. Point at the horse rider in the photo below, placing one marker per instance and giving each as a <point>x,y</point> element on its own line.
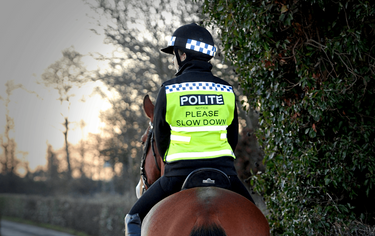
<point>195,122</point>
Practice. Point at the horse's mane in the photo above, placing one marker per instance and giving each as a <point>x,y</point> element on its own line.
<point>208,230</point>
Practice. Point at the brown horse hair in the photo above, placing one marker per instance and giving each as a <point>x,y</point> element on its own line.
<point>208,230</point>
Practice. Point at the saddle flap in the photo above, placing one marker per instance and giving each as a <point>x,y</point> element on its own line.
<point>206,177</point>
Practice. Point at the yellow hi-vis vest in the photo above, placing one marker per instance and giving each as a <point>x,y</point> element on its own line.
<point>198,114</point>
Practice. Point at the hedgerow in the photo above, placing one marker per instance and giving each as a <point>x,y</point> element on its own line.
<point>308,67</point>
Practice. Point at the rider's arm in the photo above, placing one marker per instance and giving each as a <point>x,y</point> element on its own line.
<point>161,127</point>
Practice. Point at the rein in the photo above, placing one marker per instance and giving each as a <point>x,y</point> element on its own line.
<point>149,141</point>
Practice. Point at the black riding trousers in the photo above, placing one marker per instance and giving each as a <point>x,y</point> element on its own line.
<point>167,185</point>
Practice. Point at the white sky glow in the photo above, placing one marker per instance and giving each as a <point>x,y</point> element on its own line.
<point>33,34</point>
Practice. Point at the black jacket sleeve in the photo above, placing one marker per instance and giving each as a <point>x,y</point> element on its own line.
<point>161,127</point>
<point>232,131</point>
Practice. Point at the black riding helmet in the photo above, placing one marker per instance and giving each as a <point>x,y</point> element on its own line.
<point>194,40</point>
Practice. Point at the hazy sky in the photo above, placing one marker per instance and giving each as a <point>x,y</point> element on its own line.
<point>33,34</point>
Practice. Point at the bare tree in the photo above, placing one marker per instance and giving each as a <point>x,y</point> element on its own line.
<point>52,169</point>
<point>8,144</point>
<point>62,76</point>
<point>82,150</point>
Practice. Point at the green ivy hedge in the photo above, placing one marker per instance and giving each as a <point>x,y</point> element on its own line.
<point>308,67</point>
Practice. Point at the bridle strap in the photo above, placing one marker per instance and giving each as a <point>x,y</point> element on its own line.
<point>153,149</point>
<point>149,141</point>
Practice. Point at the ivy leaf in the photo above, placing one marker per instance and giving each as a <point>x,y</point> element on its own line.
<point>307,130</point>
<point>284,9</point>
<point>314,128</point>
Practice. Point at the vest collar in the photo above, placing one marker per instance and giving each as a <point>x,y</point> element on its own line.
<point>195,65</point>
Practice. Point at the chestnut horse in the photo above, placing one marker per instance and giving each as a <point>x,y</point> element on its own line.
<point>195,211</point>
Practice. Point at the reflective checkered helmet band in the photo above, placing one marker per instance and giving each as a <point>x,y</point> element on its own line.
<point>196,46</point>
<point>171,41</point>
<point>201,47</point>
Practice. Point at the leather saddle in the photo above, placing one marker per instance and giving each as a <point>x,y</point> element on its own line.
<point>206,177</point>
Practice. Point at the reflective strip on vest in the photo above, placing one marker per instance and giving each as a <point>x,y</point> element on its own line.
<point>180,138</point>
<point>199,128</point>
<point>196,155</point>
<point>198,86</point>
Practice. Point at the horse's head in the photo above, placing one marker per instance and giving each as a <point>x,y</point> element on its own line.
<point>152,166</point>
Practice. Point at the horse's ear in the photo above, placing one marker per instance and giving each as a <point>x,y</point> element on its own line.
<point>148,107</point>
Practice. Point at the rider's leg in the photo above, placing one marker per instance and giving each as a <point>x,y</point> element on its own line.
<point>161,189</point>
<point>238,187</point>
<point>132,225</point>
